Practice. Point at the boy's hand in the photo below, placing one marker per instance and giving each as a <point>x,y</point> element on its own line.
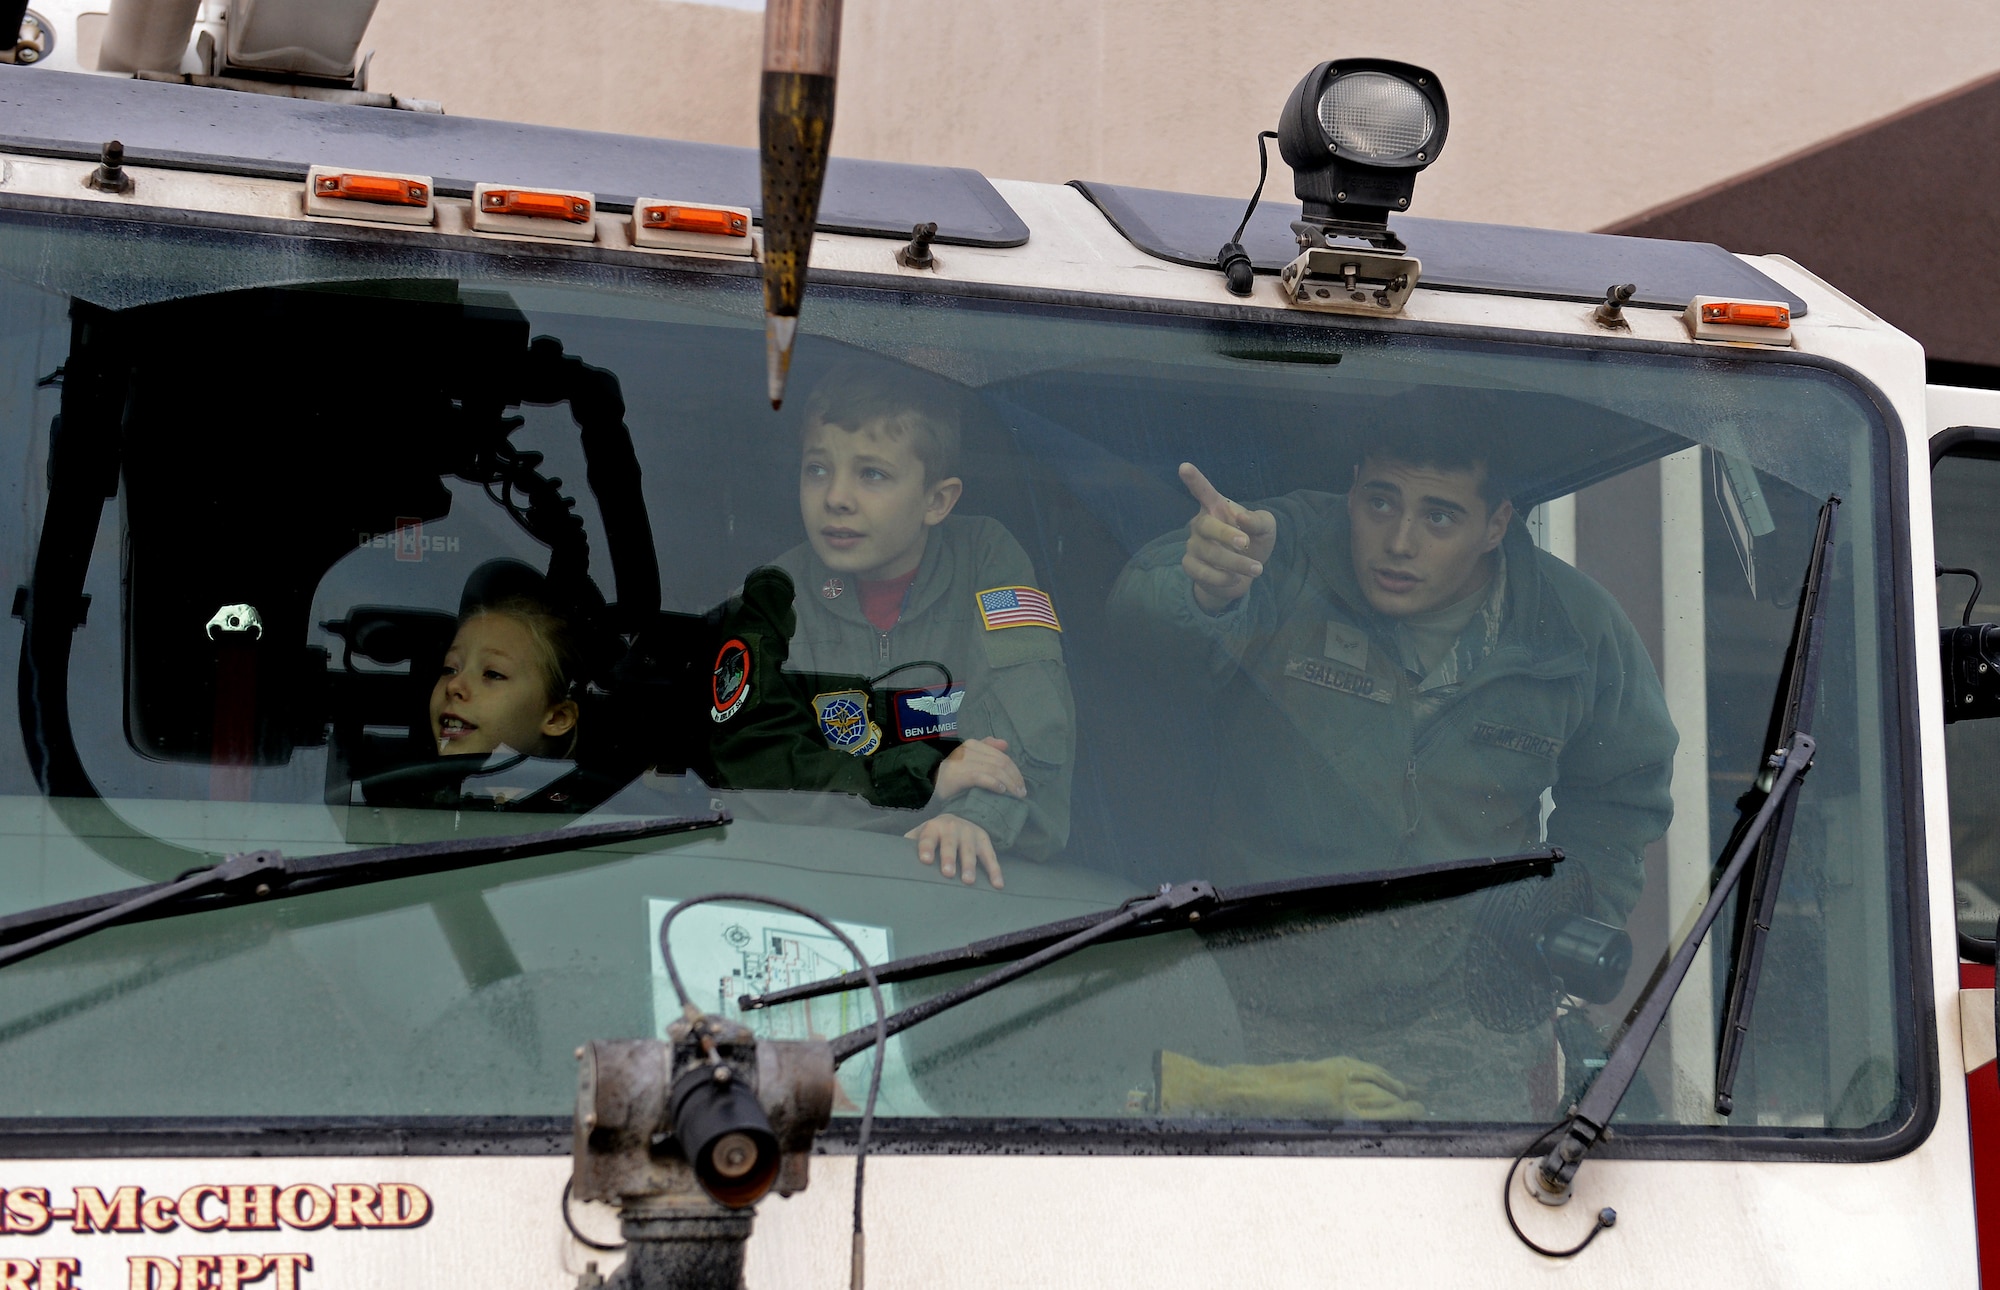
<point>1227,545</point>
<point>958,847</point>
<point>979,763</point>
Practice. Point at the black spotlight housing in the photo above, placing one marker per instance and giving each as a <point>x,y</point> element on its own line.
<point>724,1133</point>
<point>1355,132</point>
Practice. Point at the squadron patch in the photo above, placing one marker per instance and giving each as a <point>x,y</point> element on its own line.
<point>729,688</point>
<point>1329,677</point>
<point>832,588</point>
<point>1016,607</point>
<point>1527,741</point>
<point>930,713</point>
<point>844,723</point>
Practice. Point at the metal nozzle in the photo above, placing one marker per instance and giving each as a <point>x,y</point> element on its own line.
<point>795,130</point>
<point>779,333</point>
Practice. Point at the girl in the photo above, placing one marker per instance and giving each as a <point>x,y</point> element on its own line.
<point>506,683</point>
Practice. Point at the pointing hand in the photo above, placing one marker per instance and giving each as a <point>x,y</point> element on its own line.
<point>1227,545</point>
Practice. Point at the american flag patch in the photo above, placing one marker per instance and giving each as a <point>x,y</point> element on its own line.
<point>1017,607</point>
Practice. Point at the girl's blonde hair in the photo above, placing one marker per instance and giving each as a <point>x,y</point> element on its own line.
<point>555,645</point>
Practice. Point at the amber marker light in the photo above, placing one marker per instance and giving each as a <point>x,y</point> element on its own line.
<point>794,133</point>
<point>386,189</point>
<point>513,211</point>
<point>1752,322</point>
<point>696,219</point>
<point>535,205</point>
<point>1739,313</point>
<point>368,196</point>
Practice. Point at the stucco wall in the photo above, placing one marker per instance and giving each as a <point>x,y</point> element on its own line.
<point>1567,113</point>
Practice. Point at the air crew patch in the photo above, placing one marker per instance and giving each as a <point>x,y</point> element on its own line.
<point>929,714</point>
<point>729,688</point>
<point>844,723</point>
<point>1527,741</point>
<point>1329,677</point>
<point>1016,607</point>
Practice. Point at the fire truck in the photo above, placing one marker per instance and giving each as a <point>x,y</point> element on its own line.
<point>297,378</point>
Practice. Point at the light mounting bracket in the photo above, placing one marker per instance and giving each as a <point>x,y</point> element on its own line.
<point>1350,280</point>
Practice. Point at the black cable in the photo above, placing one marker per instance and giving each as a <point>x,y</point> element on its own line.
<point>1606,1217</point>
<point>1237,270</point>
<point>1263,169</point>
<point>874,681</point>
<point>1965,619</point>
<point>570,1223</point>
<point>881,1030</point>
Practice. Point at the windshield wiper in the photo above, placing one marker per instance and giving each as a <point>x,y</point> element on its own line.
<point>254,876</point>
<point>1172,908</point>
<point>1758,844</point>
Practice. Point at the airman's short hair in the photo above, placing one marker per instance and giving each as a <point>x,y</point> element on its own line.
<point>1445,428</point>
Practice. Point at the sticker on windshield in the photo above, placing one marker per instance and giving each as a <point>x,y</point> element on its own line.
<point>724,952</point>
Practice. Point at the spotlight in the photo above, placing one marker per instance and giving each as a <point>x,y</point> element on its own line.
<point>1355,132</point>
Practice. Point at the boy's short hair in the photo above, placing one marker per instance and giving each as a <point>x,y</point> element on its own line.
<point>1444,428</point>
<point>909,403</point>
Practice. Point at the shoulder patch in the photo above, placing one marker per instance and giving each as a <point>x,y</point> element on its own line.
<point>729,688</point>
<point>1001,607</point>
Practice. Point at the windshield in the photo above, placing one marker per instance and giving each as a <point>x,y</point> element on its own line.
<point>1013,612</point>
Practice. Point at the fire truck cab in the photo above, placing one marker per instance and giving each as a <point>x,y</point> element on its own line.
<point>294,392</point>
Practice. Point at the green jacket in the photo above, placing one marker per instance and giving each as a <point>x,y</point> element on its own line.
<point>809,644</point>
<point>1329,761</point>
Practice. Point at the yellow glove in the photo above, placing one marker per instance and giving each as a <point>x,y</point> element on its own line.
<point>1333,1088</point>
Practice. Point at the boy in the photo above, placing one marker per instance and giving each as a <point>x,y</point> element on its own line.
<point>973,724</point>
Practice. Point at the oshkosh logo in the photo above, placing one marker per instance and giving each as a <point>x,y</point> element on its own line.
<point>408,540</point>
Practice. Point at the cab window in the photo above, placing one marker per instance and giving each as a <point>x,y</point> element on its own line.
<point>329,546</point>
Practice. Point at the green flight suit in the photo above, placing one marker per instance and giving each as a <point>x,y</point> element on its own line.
<point>1334,760</point>
<point>808,639</point>
<point>1331,756</point>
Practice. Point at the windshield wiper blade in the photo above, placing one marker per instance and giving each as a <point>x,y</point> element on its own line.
<point>254,876</point>
<point>1172,908</point>
<point>1762,834</point>
<point>1792,715</point>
